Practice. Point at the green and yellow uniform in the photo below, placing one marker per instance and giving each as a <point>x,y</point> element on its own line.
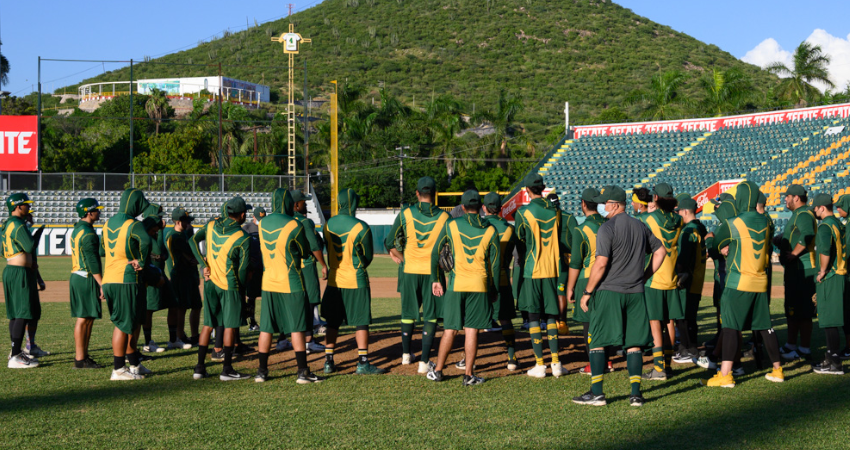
<point>726,210</point>
<point>583,257</point>
<point>19,283</point>
<point>800,272</point>
<point>504,309</point>
<point>285,307</point>
<point>744,304</point>
<point>182,269</point>
<point>692,260</point>
<point>308,264</point>
<point>844,203</point>
<point>474,244</point>
<point>158,298</point>
<point>125,239</point>
<point>829,240</point>
<point>85,263</point>
<point>348,298</point>
<point>228,252</point>
<point>663,297</point>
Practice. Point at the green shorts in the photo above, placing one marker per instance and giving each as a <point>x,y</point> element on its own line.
<point>127,305</point>
<point>504,308</point>
<point>21,293</point>
<point>416,292</point>
<point>741,310</point>
<point>539,296</point>
<point>664,305</point>
<point>159,298</point>
<point>618,319</point>
<point>466,310</point>
<point>187,292</point>
<point>222,308</point>
<point>284,313</point>
<point>799,289</point>
<point>311,285</point>
<point>578,314</point>
<point>85,297</point>
<point>830,307</point>
<point>349,306</point>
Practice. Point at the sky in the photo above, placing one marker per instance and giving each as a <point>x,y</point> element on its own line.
<point>757,31</point>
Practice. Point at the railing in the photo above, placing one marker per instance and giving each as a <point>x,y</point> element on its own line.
<point>38,181</point>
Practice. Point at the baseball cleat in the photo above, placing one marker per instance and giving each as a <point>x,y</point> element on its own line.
<point>232,375</point>
<point>200,373</point>
<point>472,380</point>
<point>425,367</point>
<point>558,370</point>
<point>636,400</point>
<point>368,369</point>
<point>261,376</point>
<point>407,359</point>
<point>124,374</point>
<point>435,375</point>
<point>140,370</point>
<point>828,368</point>
<point>307,377</point>
<point>589,398</point>
<point>539,371</point>
<point>22,361</point>
<point>153,348</point>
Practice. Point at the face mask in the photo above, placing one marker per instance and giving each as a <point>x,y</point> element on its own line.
<point>600,208</point>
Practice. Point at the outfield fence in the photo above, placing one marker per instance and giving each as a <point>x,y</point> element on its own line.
<point>164,182</point>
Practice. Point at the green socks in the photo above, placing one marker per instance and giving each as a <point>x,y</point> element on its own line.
<point>634,363</point>
<point>658,358</point>
<point>597,368</point>
<point>536,341</point>
<point>668,356</point>
<point>428,331</point>
<point>406,335</point>
<point>510,341</point>
<point>552,337</point>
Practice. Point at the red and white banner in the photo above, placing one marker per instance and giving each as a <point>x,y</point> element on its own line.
<point>519,199</point>
<point>714,124</point>
<point>19,143</point>
<point>713,191</point>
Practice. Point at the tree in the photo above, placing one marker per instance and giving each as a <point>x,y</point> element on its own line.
<point>157,107</point>
<point>4,68</point>
<point>503,119</point>
<point>663,100</point>
<point>810,66</point>
<point>724,91</point>
<point>445,120</point>
<point>178,152</point>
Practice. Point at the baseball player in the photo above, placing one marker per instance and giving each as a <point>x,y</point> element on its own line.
<point>157,298</point>
<point>472,282</point>
<point>843,207</point>
<point>225,274</point>
<point>419,225</point>
<point>255,268</point>
<point>832,258</point>
<point>183,270</point>
<point>570,224</point>
<point>690,268</point>
<point>308,268</point>
<point>86,279</point>
<point>347,297</point>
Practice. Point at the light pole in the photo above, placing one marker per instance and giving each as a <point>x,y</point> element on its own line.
<point>401,157</point>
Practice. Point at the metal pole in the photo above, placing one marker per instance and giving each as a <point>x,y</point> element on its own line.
<point>132,174</point>
<point>220,168</point>
<point>306,134</point>
<point>400,177</point>
<point>39,124</point>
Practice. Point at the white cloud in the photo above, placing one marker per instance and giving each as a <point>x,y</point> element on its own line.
<point>838,49</point>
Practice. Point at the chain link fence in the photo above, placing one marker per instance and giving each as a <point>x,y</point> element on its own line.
<point>32,181</point>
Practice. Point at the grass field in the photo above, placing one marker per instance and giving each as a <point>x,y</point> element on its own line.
<point>53,406</point>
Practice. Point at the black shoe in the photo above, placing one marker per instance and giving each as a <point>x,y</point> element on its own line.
<point>217,356</point>
<point>844,354</point>
<point>89,363</point>
<point>435,375</point>
<point>232,375</point>
<point>330,366</point>
<point>307,377</point>
<point>636,400</point>
<point>242,349</point>
<point>828,368</point>
<point>200,372</point>
<point>472,380</point>
<point>261,375</point>
<point>589,398</point>
<point>143,357</point>
<point>655,375</point>
<point>194,341</point>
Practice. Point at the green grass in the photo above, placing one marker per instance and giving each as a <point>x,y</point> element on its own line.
<point>54,406</point>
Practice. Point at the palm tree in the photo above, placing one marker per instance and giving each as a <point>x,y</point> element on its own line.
<point>157,107</point>
<point>725,91</point>
<point>663,100</point>
<point>810,65</point>
<point>503,120</point>
<point>4,68</point>
<point>444,118</point>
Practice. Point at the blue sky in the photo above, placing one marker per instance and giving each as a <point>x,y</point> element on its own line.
<point>757,31</point>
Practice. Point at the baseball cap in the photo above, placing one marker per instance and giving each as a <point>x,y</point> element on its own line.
<point>297,196</point>
<point>762,200</point>
<point>86,205</point>
<point>154,210</point>
<point>589,194</point>
<point>236,205</point>
<point>611,194</point>
<point>844,202</point>
<point>471,199</point>
<point>534,180</point>
<point>722,198</point>
<point>493,200</point>
<point>151,222</point>
<point>688,203</point>
<point>14,200</point>
<point>796,189</point>
<point>179,213</point>
<point>682,195</point>
<point>663,190</point>
<point>426,185</point>
<point>821,200</point>
<point>259,211</point>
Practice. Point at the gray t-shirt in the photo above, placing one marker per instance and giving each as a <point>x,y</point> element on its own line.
<point>625,241</point>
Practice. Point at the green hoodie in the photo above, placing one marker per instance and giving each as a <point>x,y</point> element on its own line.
<point>725,210</point>
<point>284,245</point>
<point>748,237</point>
<point>476,251</point>
<point>667,227</point>
<point>159,254</point>
<point>228,252</point>
<point>125,240</point>
<point>420,224</point>
<point>349,245</point>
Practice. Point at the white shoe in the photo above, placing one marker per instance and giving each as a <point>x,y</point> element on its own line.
<point>283,345</point>
<point>153,348</point>
<point>179,345</point>
<point>34,351</point>
<point>315,347</point>
<point>538,371</point>
<point>558,370</point>
<point>706,363</point>
<point>512,365</point>
<point>22,361</point>
<point>140,370</point>
<point>124,374</point>
<point>407,359</point>
<point>425,367</point>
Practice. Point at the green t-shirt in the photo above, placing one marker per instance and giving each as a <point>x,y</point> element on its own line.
<point>800,229</point>
<point>830,241</point>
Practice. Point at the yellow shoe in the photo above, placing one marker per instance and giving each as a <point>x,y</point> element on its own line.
<point>776,375</point>
<point>563,329</point>
<point>719,380</point>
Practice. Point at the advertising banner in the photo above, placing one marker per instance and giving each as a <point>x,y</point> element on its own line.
<point>510,206</point>
<point>19,143</point>
<point>711,192</point>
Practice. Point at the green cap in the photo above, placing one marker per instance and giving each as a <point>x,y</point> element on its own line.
<point>682,195</point>
<point>688,203</point>
<point>297,196</point>
<point>762,200</point>
<point>493,200</point>
<point>87,205</point>
<point>589,194</point>
<point>796,189</point>
<point>821,200</point>
<point>844,203</point>
<point>534,180</point>
<point>471,199</point>
<point>426,185</point>
<point>722,198</point>
<point>663,190</point>
<point>611,194</point>
<point>179,213</point>
<point>151,222</point>
<point>15,200</point>
<point>236,205</point>
<point>154,210</point>
<point>259,211</point>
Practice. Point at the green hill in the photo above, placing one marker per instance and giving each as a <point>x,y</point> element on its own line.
<point>590,53</point>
